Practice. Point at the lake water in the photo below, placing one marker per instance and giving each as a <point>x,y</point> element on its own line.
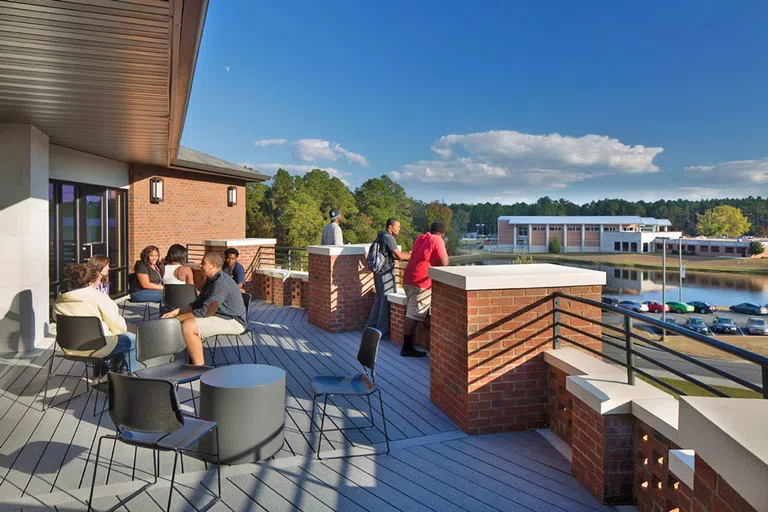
<point>640,284</point>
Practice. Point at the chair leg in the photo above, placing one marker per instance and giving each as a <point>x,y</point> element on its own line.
<point>253,345</point>
<point>133,471</point>
<point>154,464</point>
<point>218,461</point>
<point>48,378</point>
<point>192,392</point>
<point>370,410</point>
<point>173,479</point>
<point>312,414</point>
<point>111,457</point>
<point>383,420</point>
<point>146,312</point>
<point>93,479</point>
<point>322,424</point>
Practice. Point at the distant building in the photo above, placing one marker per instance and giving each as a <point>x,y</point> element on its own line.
<point>717,247</point>
<point>632,234</point>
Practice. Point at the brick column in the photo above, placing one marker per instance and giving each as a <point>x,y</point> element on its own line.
<point>255,253</point>
<point>340,287</point>
<point>488,371</point>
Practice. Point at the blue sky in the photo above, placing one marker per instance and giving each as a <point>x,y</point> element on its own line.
<point>492,100</point>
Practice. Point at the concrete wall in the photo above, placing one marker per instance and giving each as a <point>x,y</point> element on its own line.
<point>72,165</point>
<point>23,237</point>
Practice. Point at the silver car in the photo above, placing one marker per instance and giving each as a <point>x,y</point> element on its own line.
<point>757,326</point>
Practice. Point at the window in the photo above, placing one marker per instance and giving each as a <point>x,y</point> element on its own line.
<point>634,247</point>
<point>625,246</point>
<point>538,228</point>
<point>715,248</point>
<point>574,228</point>
<point>611,228</point>
<point>691,248</point>
<point>729,250</point>
<point>617,273</point>
<point>555,228</point>
<point>522,231</point>
<point>659,247</point>
<point>592,228</point>
<point>704,248</point>
<point>617,246</point>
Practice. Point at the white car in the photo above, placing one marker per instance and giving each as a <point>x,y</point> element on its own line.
<point>635,306</point>
<point>757,326</point>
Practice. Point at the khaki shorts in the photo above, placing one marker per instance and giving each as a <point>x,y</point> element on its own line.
<point>214,325</point>
<point>418,303</point>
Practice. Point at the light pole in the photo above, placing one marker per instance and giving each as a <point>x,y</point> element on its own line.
<point>680,262</point>
<point>663,286</point>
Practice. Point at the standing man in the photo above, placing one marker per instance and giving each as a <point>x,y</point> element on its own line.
<point>384,277</point>
<point>232,268</point>
<point>219,309</point>
<point>428,251</point>
<point>332,231</point>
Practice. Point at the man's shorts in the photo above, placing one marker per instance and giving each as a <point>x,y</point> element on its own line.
<point>418,303</point>
<point>215,325</point>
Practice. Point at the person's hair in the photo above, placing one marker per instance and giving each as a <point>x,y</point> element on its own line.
<point>437,227</point>
<point>214,258</point>
<point>232,250</point>
<point>144,256</point>
<point>391,221</point>
<point>81,275</point>
<point>99,261</point>
<point>177,253</point>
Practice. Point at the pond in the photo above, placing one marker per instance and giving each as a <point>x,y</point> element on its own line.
<point>721,289</point>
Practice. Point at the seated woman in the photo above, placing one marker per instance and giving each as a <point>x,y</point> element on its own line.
<point>174,271</point>
<point>101,263</point>
<point>84,299</point>
<point>148,285</point>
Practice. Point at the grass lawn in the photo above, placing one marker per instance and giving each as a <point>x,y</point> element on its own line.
<point>694,390</point>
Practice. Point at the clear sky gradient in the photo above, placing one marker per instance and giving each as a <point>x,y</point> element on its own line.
<point>492,100</point>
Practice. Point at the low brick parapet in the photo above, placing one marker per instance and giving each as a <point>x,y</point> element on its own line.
<point>281,287</point>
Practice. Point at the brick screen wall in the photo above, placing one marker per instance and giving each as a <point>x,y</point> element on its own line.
<point>194,209</point>
<point>397,322</point>
<point>340,292</point>
<point>656,488</point>
<point>560,405</point>
<point>712,492</point>
<point>488,370</point>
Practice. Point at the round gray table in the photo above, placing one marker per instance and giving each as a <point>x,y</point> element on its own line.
<point>247,401</point>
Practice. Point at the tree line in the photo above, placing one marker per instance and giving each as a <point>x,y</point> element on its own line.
<point>294,210</point>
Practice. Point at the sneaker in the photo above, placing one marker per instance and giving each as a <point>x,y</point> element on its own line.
<point>412,353</point>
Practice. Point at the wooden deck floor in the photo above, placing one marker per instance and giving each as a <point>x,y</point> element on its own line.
<point>47,458</point>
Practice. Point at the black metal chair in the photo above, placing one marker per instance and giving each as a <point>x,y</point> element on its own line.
<point>81,339</point>
<point>157,344</point>
<point>147,414</point>
<point>246,332</point>
<point>362,384</point>
<point>177,296</point>
<point>132,284</point>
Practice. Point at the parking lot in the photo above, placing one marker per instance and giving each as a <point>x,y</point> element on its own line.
<point>739,319</point>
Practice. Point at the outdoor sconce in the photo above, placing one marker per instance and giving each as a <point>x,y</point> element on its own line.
<point>231,196</point>
<point>156,190</point>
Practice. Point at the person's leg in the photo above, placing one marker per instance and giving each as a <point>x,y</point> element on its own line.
<point>147,296</point>
<point>193,342</point>
<point>413,316</point>
<point>373,318</point>
<point>387,286</point>
<point>130,339</point>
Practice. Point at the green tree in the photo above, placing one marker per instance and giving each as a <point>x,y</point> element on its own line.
<point>439,212</point>
<point>722,220</point>
<point>554,246</point>
<point>382,198</point>
<point>301,220</point>
<point>756,248</point>
<point>258,216</point>
<point>283,191</point>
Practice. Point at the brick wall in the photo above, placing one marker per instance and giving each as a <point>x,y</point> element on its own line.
<point>712,492</point>
<point>505,232</point>
<point>560,405</point>
<point>655,487</point>
<point>488,371</point>
<point>602,455</point>
<point>194,209</point>
<point>340,292</point>
<point>397,322</point>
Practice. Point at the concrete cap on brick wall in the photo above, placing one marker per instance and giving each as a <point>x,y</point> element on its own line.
<point>610,395</point>
<point>576,362</point>
<point>337,250</point>
<point>681,464</point>
<point>506,277</point>
<point>661,414</point>
<point>273,272</point>
<point>729,435</point>
<point>397,298</point>
<point>241,242</point>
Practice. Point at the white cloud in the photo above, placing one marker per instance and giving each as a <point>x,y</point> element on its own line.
<point>263,143</point>
<point>300,170</point>
<point>747,173</point>
<point>312,150</point>
<point>227,69</point>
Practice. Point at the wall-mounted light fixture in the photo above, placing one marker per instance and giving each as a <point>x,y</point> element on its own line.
<point>231,196</point>
<point>156,191</point>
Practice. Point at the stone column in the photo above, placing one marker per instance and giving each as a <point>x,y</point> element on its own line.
<point>24,215</point>
<point>487,367</point>
<point>341,288</point>
<point>546,237</point>
<point>514,237</point>
<point>583,236</point>
<point>565,237</point>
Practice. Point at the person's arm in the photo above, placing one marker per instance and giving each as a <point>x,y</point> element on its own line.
<point>391,244</point>
<point>110,314</point>
<point>184,273</point>
<point>400,255</point>
<point>442,254</point>
<point>187,312</point>
<point>146,284</point>
<point>239,275</point>
<point>338,237</point>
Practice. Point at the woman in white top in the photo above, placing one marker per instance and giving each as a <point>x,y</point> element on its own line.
<point>175,271</point>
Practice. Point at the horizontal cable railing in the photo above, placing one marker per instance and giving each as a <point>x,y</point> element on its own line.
<point>623,338</point>
<point>286,258</point>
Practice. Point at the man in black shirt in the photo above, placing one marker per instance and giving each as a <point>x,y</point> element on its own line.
<point>384,281</point>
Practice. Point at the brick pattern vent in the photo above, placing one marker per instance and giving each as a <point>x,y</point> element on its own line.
<point>656,488</point>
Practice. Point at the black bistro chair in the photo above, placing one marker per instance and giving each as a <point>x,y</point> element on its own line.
<point>177,296</point>
<point>158,343</point>
<point>246,332</point>
<point>81,339</point>
<point>132,284</point>
<point>362,384</point>
<point>147,414</point>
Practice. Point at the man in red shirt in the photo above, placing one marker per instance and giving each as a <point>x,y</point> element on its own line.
<point>428,251</point>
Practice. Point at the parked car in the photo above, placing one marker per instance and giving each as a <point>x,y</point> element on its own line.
<point>749,309</point>
<point>697,325</point>
<point>757,326</point>
<point>656,307</point>
<point>635,306</point>
<point>680,307</point>
<point>610,301</point>
<point>702,307</point>
<point>725,325</point>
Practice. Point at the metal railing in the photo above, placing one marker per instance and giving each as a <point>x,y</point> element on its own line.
<point>286,258</point>
<point>632,346</point>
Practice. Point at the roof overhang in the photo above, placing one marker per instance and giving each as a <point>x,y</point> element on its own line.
<point>108,77</point>
<point>245,175</point>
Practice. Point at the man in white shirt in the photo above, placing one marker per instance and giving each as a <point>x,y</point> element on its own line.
<point>332,231</point>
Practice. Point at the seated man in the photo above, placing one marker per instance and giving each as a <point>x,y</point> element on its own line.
<point>218,310</point>
<point>232,268</point>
